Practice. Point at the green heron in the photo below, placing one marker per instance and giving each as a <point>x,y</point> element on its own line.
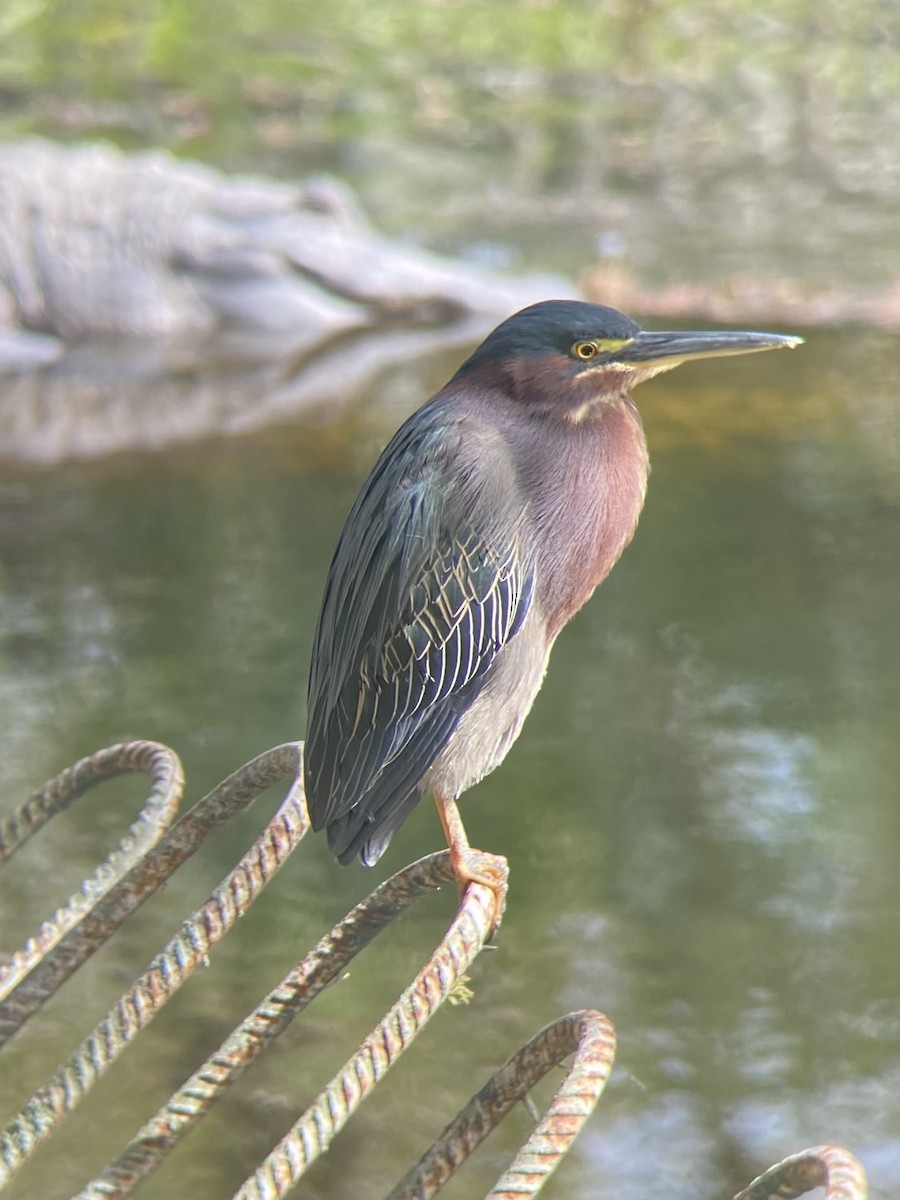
<point>488,521</point>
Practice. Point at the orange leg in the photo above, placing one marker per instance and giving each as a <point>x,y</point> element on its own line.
<point>471,866</point>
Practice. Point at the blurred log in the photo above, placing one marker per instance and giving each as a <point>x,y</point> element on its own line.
<point>740,301</point>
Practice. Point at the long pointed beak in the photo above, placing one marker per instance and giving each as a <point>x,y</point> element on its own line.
<point>661,350</point>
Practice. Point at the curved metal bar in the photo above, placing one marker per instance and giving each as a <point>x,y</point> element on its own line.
<point>137,758</point>
<point>268,1020</point>
<point>154,868</point>
<point>190,946</point>
<point>835,1169</point>
<point>117,888</point>
<point>312,1134</point>
<point>592,1039</point>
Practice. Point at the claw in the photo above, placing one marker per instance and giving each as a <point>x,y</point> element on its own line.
<point>473,866</point>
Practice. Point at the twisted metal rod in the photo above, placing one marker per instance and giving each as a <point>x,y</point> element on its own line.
<point>835,1169</point>
<point>109,896</point>
<point>314,1131</point>
<point>138,757</point>
<point>588,1035</point>
<point>268,1020</point>
<point>150,872</point>
<point>190,946</point>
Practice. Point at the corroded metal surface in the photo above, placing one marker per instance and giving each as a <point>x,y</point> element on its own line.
<point>150,872</point>
<point>190,946</point>
<point>592,1039</point>
<point>587,1034</point>
<point>831,1167</point>
<point>267,1021</point>
<point>105,901</point>
<point>128,758</point>
<point>313,1132</point>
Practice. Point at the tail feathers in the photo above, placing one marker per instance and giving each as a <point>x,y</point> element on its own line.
<point>368,834</point>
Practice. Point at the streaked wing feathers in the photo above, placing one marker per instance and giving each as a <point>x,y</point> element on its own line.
<point>417,606</point>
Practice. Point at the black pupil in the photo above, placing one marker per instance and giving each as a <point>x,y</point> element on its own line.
<point>586,350</point>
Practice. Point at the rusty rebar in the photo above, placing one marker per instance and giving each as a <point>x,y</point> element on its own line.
<point>121,884</point>
<point>191,945</point>
<point>591,1038</point>
<point>154,868</point>
<point>138,757</point>
<point>835,1169</point>
<point>268,1020</point>
<point>312,1134</point>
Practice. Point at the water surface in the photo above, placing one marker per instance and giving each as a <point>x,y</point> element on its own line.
<point>700,816</point>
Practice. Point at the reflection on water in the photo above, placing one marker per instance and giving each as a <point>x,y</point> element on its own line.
<point>700,815</point>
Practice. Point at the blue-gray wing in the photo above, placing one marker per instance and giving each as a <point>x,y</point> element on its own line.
<point>426,587</point>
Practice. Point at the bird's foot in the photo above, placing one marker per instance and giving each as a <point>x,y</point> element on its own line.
<point>488,870</point>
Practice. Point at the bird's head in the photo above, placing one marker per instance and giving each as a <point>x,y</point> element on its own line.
<point>566,357</point>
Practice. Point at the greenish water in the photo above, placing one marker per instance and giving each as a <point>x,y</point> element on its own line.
<point>700,816</point>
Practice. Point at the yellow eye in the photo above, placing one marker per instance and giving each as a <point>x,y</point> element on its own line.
<point>588,350</point>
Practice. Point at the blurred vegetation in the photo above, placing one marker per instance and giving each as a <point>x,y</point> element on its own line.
<point>709,132</point>
<point>351,66</point>
<point>106,47</point>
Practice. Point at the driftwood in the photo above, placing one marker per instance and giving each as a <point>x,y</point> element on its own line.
<point>747,301</point>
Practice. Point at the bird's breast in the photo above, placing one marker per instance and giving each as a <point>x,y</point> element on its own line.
<point>588,493</point>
